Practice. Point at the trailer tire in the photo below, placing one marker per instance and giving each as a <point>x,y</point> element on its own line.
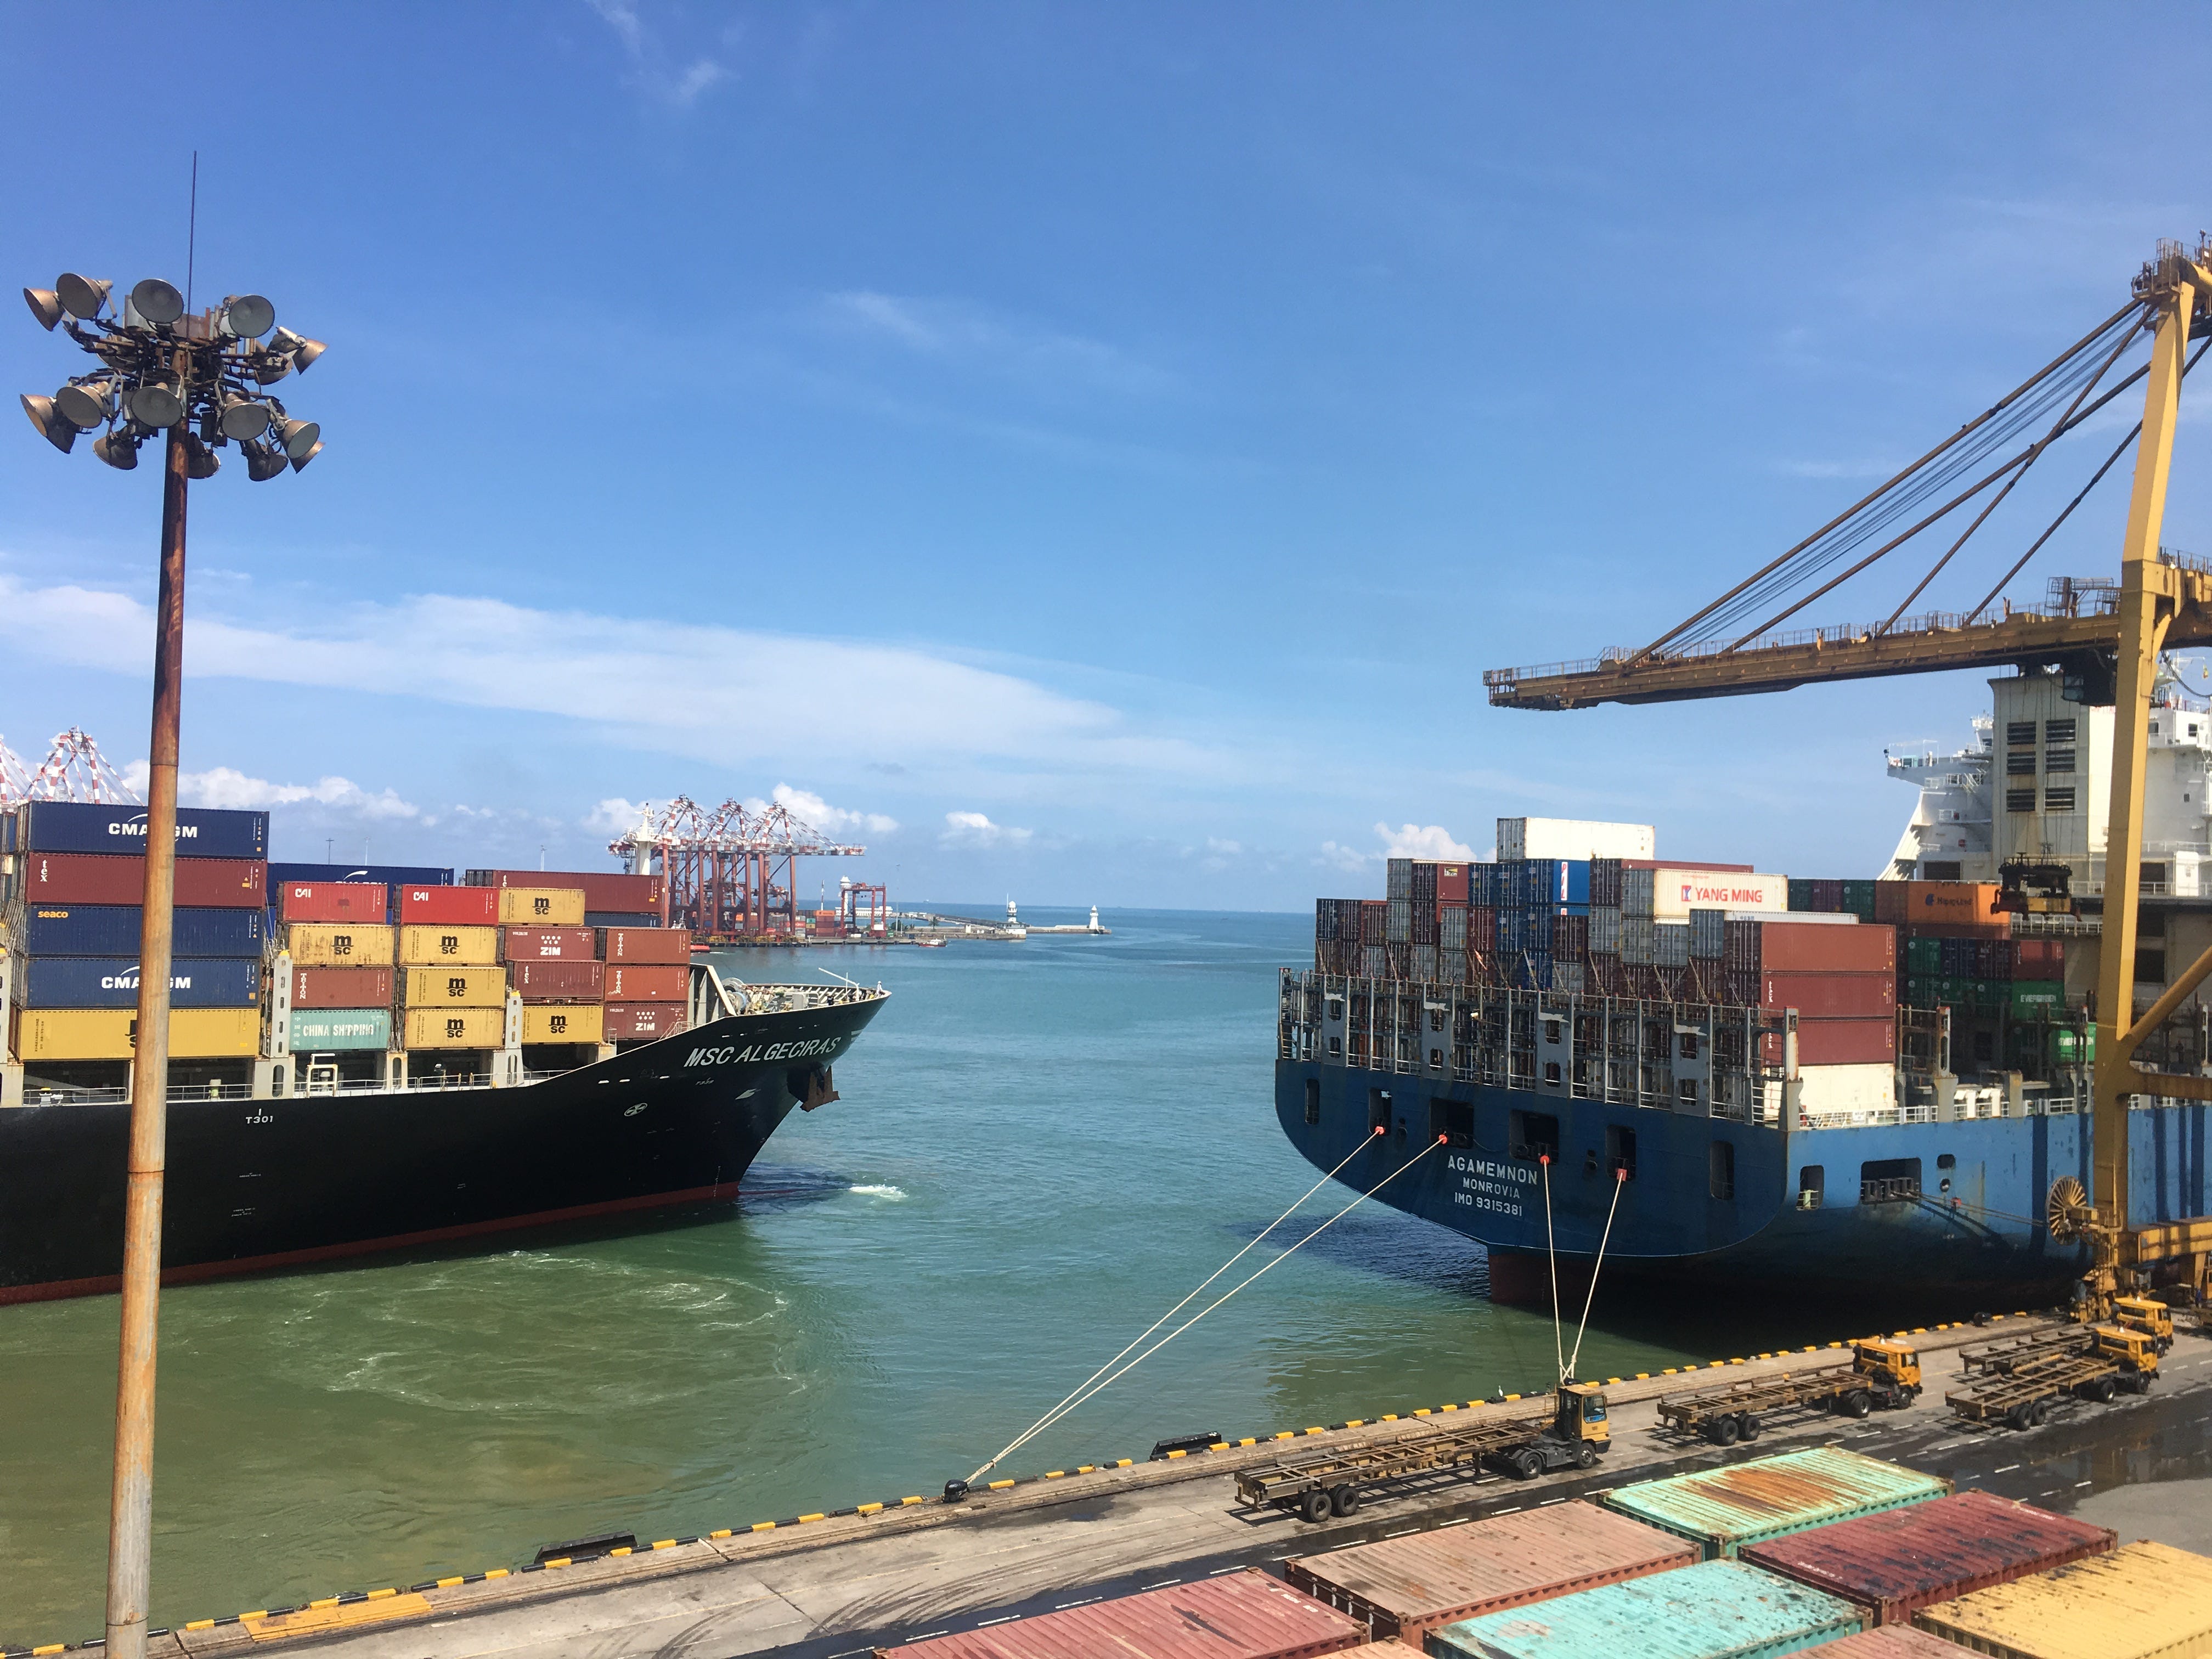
<point>2103,1389</point>
<point>1586,1456</point>
<point>2038,1411</point>
<point>1748,1426</point>
<point>1725,1430</point>
<point>1313,1507</point>
<point>1857,1403</point>
<point>2017,1417</point>
<point>1528,1463</point>
<point>1344,1500</point>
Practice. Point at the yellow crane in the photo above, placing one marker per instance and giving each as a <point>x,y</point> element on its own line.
<point>2105,638</point>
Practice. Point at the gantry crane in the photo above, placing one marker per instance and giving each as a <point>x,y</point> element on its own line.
<point>729,872</point>
<point>2105,638</point>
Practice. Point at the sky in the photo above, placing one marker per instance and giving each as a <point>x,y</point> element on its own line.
<point>1084,453</point>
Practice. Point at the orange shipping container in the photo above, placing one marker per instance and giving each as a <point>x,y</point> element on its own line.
<point>629,983</point>
<point>663,946</point>
<point>1940,903</point>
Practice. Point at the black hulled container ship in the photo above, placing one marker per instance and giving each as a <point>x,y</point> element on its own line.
<point>367,1059</point>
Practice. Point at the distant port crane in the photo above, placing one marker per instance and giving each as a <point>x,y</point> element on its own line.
<point>74,770</point>
<point>728,872</point>
<point>2105,638</point>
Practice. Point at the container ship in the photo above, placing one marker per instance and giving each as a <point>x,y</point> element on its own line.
<point>1729,1076</point>
<point>365,1059</point>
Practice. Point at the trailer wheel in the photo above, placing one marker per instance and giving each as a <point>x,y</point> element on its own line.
<point>1313,1506</point>
<point>1857,1403</point>
<point>2018,1416</point>
<point>2038,1411</point>
<point>1528,1463</point>
<point>2103,1390</point>
<point>1344,1500</point>
<point>1748,1426</point>
<point>2143,1380</point>
<point>1725,1430</point>
<point>1586,1456</point>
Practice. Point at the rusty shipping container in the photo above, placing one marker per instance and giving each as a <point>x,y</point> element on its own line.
<point>2143,1601</point>
<point>1715,1610</point>
<point>603,890</point>
<point>340,944</point>
<point>341,987</point>
<point>333,901</point>
<point>119,878</point>
<point>558,982</point>
<point>1741,1504</point>
<point>1407,1587</point>
<point>531,943</point>
<point>1837,1042</point>
<point>449,906</point>
<point>1898,1562</point>
<point>1239,1616</point>
<point>1811,947</point>
<point>626,982</point>
<point>651,946</point>
<point>641,1022</point>
<point>1889,1642</point>
<point>1831,996</point>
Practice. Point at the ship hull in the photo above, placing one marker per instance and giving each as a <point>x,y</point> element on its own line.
<point>258,1184</point>
<point>1934,1212</point>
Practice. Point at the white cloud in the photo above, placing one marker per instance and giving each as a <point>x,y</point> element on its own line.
<point>834,820</point>
<point>974,830</point>
<point>1339,857</point>
<point>1413,840</point>
<point>637,681</point>
<point>224,789</point>
<point>651,69</point>
<point>1223,848</point>
<point>614,815</point>
<point>955,331</point>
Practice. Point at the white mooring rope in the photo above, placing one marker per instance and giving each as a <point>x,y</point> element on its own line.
<point>1620,1181</point>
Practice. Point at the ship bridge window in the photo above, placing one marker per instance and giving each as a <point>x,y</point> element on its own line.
<point>2058,760</point>
<point>2053,732</point>
<point>1720,1169</point>
<point>1620,1150</point>
<point>1939,869</point>
<point>2023,731</point>
<point>2019,801</point>
<point>1535,1135</point>
<point>2020,763</point>
<point>1313,1100</point>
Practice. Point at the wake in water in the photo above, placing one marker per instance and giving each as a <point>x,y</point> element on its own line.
<point>894,1193</point>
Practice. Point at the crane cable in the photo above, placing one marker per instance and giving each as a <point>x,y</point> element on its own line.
<point>1096,1384</point>
<point>1551,1260</point>
<point>1620,1181</point>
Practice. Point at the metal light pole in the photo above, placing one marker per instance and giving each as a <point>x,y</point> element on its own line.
<point>161,371</point>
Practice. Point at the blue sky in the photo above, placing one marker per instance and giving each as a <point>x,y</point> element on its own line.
<point>1089,453</point>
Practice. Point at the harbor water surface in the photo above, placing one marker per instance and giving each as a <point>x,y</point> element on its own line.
<point>1040,1145</point>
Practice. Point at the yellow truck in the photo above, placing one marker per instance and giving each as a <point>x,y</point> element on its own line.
<point>2101,1362</point>
<point>1882,1371</point>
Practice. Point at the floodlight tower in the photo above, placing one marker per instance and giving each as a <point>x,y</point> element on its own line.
<point>199,380</point>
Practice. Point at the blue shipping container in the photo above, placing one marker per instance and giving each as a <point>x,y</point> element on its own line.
<point>391,875</point>
<point>1716,1610</point>
<point>111,930</point>
<point>68,826</point>
<point>112,982</point>
<point>621,919</point>
<point>315,1029</point>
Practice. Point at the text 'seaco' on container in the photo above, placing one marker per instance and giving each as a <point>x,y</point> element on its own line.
<point>1715,1610</point>
<point>1724,1509</point>
<point>1407,1587</point>
<point>2141,1601</point>
<point>1898,1562</point>
<point>1239,1616</point>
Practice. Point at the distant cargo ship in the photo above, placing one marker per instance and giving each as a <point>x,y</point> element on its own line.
<point>1845,1086</point>
<point>366,1059</point>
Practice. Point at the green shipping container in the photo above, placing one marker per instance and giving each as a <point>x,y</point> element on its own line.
<point>1801,894</point>
<point>1991,994</point>
<point>2030,994</point>
<point>2066,1049</point>
<point>1923,955</point>
<point>1727,1508</point>
<point>1715,1610</point>
<point>1858,899</point>
<point>326,1031</point>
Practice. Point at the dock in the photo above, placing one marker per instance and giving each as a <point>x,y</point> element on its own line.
<point>836,1584</point>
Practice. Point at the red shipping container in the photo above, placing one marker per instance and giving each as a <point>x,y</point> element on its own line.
<point>1239,1616</point>
<point>1837,1042</point>
<point>1899,1561</point>
<point>603,890</point>
<point>558,982</point>
<point>341,987</point>
<point>663,946</point>
<point>1832,996</point>
<point>468,906</point>
<point>548,944</point>
<point>336,900</point>
<point>626,982</point>
<point>1451,883</point>
<point>641,1021</point>
<point>1823,947</point>
<point>2038,958</point>
<point>115,879</point>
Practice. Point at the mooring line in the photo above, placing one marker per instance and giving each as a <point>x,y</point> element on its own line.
<point>1552,1260</point>
<point>1098,1383</point>
<point>1620,1181</point>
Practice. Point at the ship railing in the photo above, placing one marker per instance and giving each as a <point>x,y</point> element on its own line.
<point>48,1095</point>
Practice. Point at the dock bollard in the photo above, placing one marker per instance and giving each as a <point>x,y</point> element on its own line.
<point>955,1491</point>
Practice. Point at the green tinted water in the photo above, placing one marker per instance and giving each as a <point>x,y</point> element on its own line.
<point>1040,1146</point>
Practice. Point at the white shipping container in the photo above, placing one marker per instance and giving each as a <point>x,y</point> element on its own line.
<point>1819,918</point>
<point>1675,893</point>
<point>1870,1088</point>
<point>1572,838</point>
<point>1567,976</point>
<point>1670,943</point>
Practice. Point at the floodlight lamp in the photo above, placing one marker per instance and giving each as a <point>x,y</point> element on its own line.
<point>157,302</point>
<point>118,449</point>
<point>299,438</point>
<point>45,305</point>
<point>267,367</point>
<point>305,353</point>
<point>53,427</point>
<point>248,316</point>
<point>263,461</point>
<point>242,419</point>
<point>300,461</point>
<point>200,461</point>
<point>155,403</point>
<point>87,403</point>
<point>81,297</point>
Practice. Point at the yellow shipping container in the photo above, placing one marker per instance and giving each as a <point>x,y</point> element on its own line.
<point>338,945</point>
<point>456,1028</point>
<point>549,907</point>
<point>461,946</point>
<point>453,987</point>
<point>108,1033</point>
<point>2142,1602</point>
<point>548,1022</point>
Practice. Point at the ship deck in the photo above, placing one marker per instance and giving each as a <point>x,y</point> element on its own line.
<point>842,1583</point>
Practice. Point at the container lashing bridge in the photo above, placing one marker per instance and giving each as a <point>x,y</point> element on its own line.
<point>2104,637</point>
<point>728,872</point>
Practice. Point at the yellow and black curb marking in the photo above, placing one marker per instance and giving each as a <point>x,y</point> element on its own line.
<point>367,1607</point>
